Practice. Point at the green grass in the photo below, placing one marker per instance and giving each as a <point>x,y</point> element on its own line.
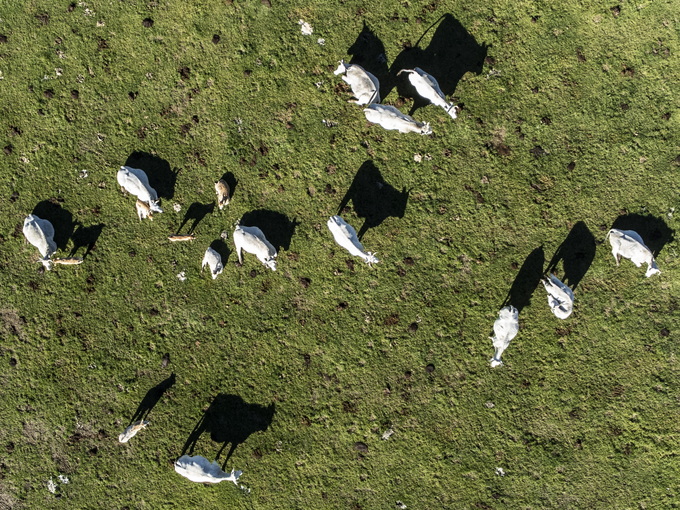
<point>585,411</point>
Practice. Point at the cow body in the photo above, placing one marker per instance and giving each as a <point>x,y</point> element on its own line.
<point>40,233</point>
<point>365,86</point>
<point>345,235</point>
<point>428,88</point>
<point>135,182</point>
<point>560,297</point>
<point>628,244</point>
<point>252,240</point>
<point>392,119</point>
<point>505,328</point>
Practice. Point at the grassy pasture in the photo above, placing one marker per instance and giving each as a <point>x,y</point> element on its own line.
<point>569,124</point>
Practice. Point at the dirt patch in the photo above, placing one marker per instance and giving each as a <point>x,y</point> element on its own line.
<point>253,273</point>
<point>184,129</point>
<point>12,323</point>
<point>361,447</point>
<point>3,39</point>
<point>537,151</point>
<point>341,88</point>
<point>267,3</point>
<point>342,305</point>
<point>102,44</point>
<point>184,73</point>
<point>413,327</point>
<point>132,96</point>
<point>44,19</point>
<point>247,73</point>
<point>305,282</point>
<point>392,319</point>
<point>8,149</point>
<point>13,198</point>
<point>664,332</point>
<point>147,23</point>
<point>580,56</point>
<point>666,116</point>
<point>13,362</point>
<point>616,10</point>
<point>408,261</point>
<point>49,93</point>
<point>571,166</point>
<point>546,121</point>
<point>490,60</point>
<point>617,391</point>
<point>34,432</point>
<point>257,454</point>
<point>480,198</point>
<point>71,7</point>
<point>216,39</point>
<point>166,360</point>
<point>429,368</point>
<point>627,71</point>
<point>349,407</point>
<point>75,94</point>
<point>350,264</point>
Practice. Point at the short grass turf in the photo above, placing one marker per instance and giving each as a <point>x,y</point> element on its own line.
<point>568,125</point>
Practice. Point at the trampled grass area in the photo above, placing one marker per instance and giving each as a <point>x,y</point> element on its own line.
<point>569,115</point>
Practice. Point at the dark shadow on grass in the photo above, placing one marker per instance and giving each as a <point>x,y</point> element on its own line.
<point>230,179</point>
<point>368,51</point>
<point>60,218</point>
<point>161,177</point>
<point>86,236</point>
<point>451,53</point>
<point>196,212</point>
<point>221,247</point>
<point>576,253</point>
<point>230,420</point>
<point>276,227</point>
<point>151,399</point>
<point>527,280</point>
<point>654,231</point>
<point>373,199</point>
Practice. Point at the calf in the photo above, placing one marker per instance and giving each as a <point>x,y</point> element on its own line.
<point>213,260</point>
<point>222,190</point>
<point>505,328</point>
<point>560,297</point>
<point>390,118</point>
<point>345,235</point>
<point>252,240</point>
<point>365,86</point>
<point>40,233</point>
<point>428,88</point>
<point>143,210</point>
<point>135,182</point>
<point>629,244</point>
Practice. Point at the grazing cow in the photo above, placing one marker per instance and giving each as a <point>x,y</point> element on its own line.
<point>365,86</point>
<point>201,470</point>
<point>40,233</point>
<point>252,240</point>
<point>346,236</point>
<point>214,261</point>
<point>132,430</point>
<point>428,88</point>
<point>223,192</point>
<point>560,297</point>
<point>143,210</point>
<point>390,118</point>
<point>135,182</point>
<point>505,328</point>
<point>629,244</point>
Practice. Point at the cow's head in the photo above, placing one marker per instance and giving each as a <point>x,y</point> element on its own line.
<point>425,130</point>
<point>154,207</point>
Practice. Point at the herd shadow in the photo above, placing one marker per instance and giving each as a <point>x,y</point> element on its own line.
<point>654,231</point>
<point>527,280</point>
<point>374,199</point>
<point>576,253</point>
<point>221,247</point>
<point>197,211</point>
<point>451,52</point>
<point>161,177</point>
<point>151,399</point>
<point>60,218</point>
<point>230,420</point>
<point>275,226</point>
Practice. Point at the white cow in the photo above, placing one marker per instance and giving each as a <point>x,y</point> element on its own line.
<point>213,260</point>
<point>365,86</point>
<point>560,297</point>
<point>346,236</point>
<point>505,328</point>
<point>252,240</point>
<point>40,233</point>
<point>390,118</point>
<point>428,88</point>
<point>135,182</point>
<point>201,470</point>
<point>629,244</point>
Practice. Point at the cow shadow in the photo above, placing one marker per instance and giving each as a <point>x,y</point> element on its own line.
<point>151,399</point>
<point>230,420</point>
<point>86,236</point>
<point>276,227</point>
<point>221,247</point>
<point>654,231</point>
<point>368,51</point>
<point>373,199</point>
<point>451,53</point>
<point>60,218</point>
<point>577,253</point>
<point>230,179</point>
<point>527,280</point>
<point>196,212</point>
<point>161,177</point>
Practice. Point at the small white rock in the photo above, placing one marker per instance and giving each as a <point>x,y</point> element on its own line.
<point>182,277</point>
<point>177,207</point>
<point>321,41</point>
<point>401,505</point>
<point>417,158</point>
<point>386,435</point>
<point>58,71</point>
<point>100,23</point>
<point>83,174</point>
<point>306,28</point>
<point>490,405</point>
<point>63,479</point>
<point>51,486</point>
<point>500,472</point>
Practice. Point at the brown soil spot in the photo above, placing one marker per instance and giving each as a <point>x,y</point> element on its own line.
<point>546,121</point>
<point>350,264</point>
<point>361,447</point>
<point>75,94</point>
<point>247,73</point>
<point>257,454</point>
<point>624,106</point>
<point>49,93</point>
<point>184,73</point>
<point>3,39</point>
<point>71,7</point>
<point>503,149</point>
<point>147,23</point>
<point>616,11</point>
<point>305,282</point>
<point>44,19</point>
<point>14,197</point>
<point>349,407</point>
<point>342,305</point>
<point>267,3</point>
<point>8,149</point>
<point>447,153</point>
<point>253,273</point>
<point>392,319</point>
<point>184,129</point>
<point>571,166</point>
<point>666,116</point>
<point>166,360</point>
<point>10,447</point>
<point>490,60</point>
<point>429,368</point>
<point>537,151</point>
<point>617,391</point>
<point>413,327</point>
<point>102,44</point>
<point>580,56</point>
<point>514,266</point>
<point>480,198</point>
<point>132,96</point>
<point>216,39</point>
<point>408,261</point>
<point>664,332</point>
<point>627,71</point>
<point>13,362</point>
